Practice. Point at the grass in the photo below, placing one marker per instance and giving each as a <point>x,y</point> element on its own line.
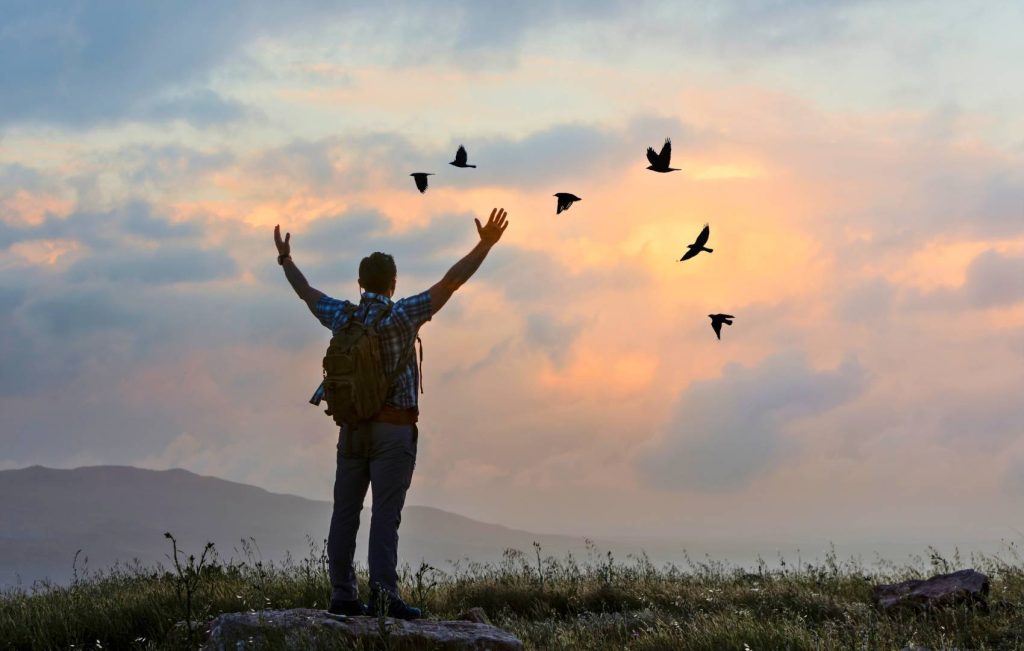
<point>550,603</point>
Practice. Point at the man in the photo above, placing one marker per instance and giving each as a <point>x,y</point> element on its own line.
<point>380,453</point>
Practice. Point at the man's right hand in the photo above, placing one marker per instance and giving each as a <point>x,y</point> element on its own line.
<point>283,247</point>
<point>496,225</point>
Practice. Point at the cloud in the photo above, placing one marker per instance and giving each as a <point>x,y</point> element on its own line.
<point>529,276</point>
<point>121,60</point>
<point>168,264</point>
<point>94,63</point>
<point>543,160</point>
<point>553,334</point>
<point>104,230</point>
<point>80,312</point>
<point>992,279</point>
<point>866,301</point>
<point>164,165</point>
<point>725,432</point>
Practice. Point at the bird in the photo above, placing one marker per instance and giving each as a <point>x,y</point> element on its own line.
<point>717,320</point>
<point>565,200</point>
<point>660,162</point>
<point>698,244</point>
<point>421,180</point>
<point>460,158</point>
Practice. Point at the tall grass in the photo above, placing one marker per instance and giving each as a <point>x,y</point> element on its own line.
<point>597,602</point>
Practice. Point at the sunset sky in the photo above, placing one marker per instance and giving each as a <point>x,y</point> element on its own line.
<point>861,165</point>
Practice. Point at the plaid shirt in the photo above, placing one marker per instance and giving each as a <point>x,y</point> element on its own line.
<point>397,335</point>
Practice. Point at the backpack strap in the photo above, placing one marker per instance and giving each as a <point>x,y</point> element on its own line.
<point>419,372</point>
<point>404,361</point>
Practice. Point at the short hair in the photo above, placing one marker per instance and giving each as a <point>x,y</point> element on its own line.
<point>377,272</point>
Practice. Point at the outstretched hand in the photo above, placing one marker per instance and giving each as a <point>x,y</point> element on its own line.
<point>496,225</point>
<point>283,247</point>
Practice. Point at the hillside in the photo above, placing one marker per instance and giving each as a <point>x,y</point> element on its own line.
<point>119,513</point>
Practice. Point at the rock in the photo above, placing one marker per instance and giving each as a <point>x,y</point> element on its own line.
<point>474,614</point>
<point>965,586</point>
<point>305,628</point>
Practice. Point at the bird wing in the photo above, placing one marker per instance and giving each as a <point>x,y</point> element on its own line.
<point>652,156</point>
<point>666,153</point>
<point>421,182</point>
<point>461,156</point>
<point>689,254</point>
<point>717,325</point>
<point>702,239</point>
<point>562,205</point>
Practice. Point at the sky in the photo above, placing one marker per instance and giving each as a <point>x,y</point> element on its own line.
<point>859,164</point>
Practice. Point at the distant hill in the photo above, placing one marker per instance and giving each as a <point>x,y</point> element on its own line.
<point>119,513</point>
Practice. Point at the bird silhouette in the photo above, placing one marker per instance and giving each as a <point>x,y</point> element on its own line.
<point>698,244</point>
<point>660,162</point>
<point>565,200</point>
<point>460,158</point>
<point>421,180</point>
<point>717,320</point>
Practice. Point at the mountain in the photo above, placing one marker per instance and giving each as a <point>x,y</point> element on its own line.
<point>120,513</point>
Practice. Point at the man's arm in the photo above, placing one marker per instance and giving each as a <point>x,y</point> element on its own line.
<point>298,282</point>
<point>467,266</point>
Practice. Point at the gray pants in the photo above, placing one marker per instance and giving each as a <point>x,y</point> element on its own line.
<point>382,456</point>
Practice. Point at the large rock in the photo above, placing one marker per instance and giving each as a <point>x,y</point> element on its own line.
<point>965,586</point>
<point>304,628</point>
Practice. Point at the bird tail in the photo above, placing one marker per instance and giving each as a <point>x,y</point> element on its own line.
<point>707,249</point>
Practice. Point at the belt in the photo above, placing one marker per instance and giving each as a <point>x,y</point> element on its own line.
<point>394,416</point>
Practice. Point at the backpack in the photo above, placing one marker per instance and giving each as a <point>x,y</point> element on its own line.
<point>355,382</point>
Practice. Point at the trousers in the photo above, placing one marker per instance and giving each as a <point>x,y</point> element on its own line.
<point>380,456</point>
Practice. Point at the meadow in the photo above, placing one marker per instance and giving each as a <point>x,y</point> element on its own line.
<point>597,602</point>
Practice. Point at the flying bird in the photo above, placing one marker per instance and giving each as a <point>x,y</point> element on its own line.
<point>421,180</point>
<point>565,200</point>
<point>698,244</point>
<point>717,320</point>
<point>660,162</point>
<point>460,158</point>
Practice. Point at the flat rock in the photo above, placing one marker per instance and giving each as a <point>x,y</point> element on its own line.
<point>474,614</point>
<point>965,586</point>
<point>305,628</point>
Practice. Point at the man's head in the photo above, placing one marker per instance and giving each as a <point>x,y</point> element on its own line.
<point>377,274</point>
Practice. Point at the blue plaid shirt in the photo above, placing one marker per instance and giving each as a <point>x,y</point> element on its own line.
<point>397,336</point>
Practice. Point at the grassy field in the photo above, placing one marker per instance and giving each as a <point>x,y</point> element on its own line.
<point>551,603</point>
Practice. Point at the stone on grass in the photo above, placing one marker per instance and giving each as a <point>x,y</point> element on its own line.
<point>305,628</point>
<point>474,614</point>
<point>963,587</point>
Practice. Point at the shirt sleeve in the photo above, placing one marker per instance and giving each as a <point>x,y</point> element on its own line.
<point>416,308</point>
<point>327,310</point>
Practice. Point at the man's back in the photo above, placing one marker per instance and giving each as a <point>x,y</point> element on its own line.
<point>397,328</point>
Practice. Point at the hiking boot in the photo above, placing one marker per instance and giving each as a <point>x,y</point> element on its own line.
<point>395,608</point>
<point>347,607</point>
